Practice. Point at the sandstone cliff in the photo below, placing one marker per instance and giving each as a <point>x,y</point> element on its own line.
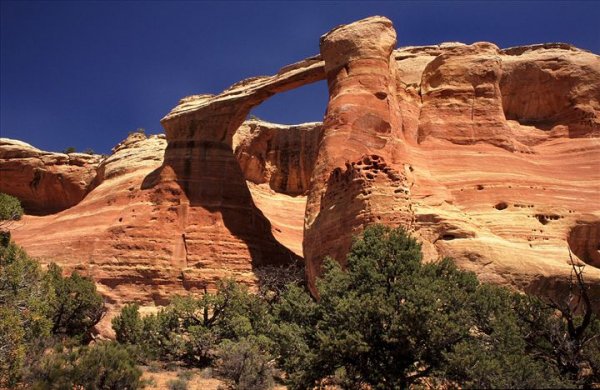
<point>129,235</point>
<point>487,155</point>
<point>44,182</point>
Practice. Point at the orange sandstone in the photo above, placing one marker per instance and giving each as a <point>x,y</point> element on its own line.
<point>488,155</point>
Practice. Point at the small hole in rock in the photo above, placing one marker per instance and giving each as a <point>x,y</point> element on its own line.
<point>479,187</point>
<point>501,206</point>
<point>120,219</point>
<point>381,95</point>
<point>448,237</point>
<point>542,218</point>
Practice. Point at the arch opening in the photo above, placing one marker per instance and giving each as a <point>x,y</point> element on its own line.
<point>299,105</point>
<point>277,148</point>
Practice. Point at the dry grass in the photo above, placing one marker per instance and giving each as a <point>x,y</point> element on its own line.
<point>199,379</point>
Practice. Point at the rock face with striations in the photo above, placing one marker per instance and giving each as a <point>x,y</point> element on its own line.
<point>487,155</point>
<point>281,156</point>
<point>45,182</point>
<point>127,232</point>
<point>200,179</point>
<point>353,181</point>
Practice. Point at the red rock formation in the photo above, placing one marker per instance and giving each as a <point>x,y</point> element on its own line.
<point>552,85</point>
<point>111,234</point>
<point>486,155</point>
<point>583,240</point>
<point>216,216</point>
<point>277,161</point>
<point>362,135</point>
<point>279,155</point>
<point>44,182</point>
<point>476,179</point>
<point>510,192</point>
<point>127,234</point>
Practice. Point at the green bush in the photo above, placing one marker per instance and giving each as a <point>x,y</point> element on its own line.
<point>128,325</point>
<point>177,384</point>
<point>567,340</point>
<point>77,306</point>
<point>185,375</point>
<point>101,366</point>
<point>34,305</point>
<point>189,329</point>
<point>12,346</point>
<point>385,321</point>
<point>24,311</point>
<point>10,208</point>
<point>245,365</point>
<point>390,321</point>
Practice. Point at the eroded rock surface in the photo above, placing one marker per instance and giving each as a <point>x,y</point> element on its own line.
<point>128,235</point>
<point>353,183</point>
<point>279,155</point>
<point>490,156</point>
<point>277,161</point>
<point>45,182</point>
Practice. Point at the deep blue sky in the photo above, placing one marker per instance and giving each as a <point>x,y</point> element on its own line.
<point>84,74</point>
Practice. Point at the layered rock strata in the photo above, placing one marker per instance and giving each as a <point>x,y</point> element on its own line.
<point>489,156</point>
<point>45,182</point>
<point>353,183</point>
<point>127,235</point>
<point>492,155</point>
<point>277,162</point>
<point>217,216</point>
<point>278,155</point>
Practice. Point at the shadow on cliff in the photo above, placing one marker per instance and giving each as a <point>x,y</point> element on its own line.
<point>211,178</point>
<point>560,290</point>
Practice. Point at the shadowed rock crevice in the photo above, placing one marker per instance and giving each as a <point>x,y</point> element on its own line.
<point>553,90</point>
<point>584,241</point>
<point>218,208</point>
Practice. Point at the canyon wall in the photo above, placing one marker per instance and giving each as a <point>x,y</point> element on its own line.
<point>488,155</point>
<point>127,234</point>
<point>44,182</point>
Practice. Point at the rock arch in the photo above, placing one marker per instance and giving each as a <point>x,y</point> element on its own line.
<point>215,209</point>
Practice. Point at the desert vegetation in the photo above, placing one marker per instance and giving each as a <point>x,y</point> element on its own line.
<point>46,325</point>
<point>385,320</point>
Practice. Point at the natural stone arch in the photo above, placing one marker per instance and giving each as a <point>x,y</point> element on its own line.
<point>210,195</point>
